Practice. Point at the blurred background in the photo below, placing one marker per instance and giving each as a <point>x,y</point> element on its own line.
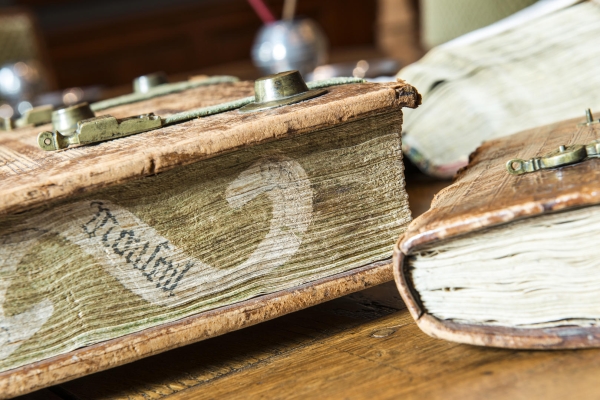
<point>65,51</point>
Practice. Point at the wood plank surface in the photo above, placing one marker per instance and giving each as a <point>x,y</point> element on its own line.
<point>362,346</point>
<point>189,330</point>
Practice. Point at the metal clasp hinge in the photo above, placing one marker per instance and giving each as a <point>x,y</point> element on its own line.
<point>565,155</point>
<point>99,129</point>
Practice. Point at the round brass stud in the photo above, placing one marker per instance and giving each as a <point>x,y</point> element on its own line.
<point>280,89</point>
<point>143,84</point>
<point>65,120</point>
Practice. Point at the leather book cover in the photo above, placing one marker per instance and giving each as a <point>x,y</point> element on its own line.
<point>485,196</point>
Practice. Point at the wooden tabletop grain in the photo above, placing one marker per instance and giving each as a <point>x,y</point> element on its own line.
<point>362,346</point>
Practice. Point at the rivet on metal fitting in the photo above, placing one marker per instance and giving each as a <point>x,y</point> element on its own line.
<point>589,119</point>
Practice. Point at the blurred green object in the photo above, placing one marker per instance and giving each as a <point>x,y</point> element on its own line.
<point>24,70</point>
<point>18,39</point>
<point>444,20</point>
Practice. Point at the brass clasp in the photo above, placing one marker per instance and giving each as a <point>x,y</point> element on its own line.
<point>565,155</point>
<point>99,129</point>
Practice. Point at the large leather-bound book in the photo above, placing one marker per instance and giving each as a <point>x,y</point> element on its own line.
<point>118,250</point>
<point>510,259</point>
<point>469,84</point>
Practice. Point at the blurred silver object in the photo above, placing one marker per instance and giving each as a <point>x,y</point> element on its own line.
<point>20,82</point>
<point>297,44</point>
<point>359,69</point>
<point>142,84</point>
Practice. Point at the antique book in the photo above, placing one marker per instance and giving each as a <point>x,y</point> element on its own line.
<point>509,260</point>
<point>126,248</point>
<point>502,79</point>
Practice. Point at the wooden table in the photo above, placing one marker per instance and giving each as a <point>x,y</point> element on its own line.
<point>362,346</point>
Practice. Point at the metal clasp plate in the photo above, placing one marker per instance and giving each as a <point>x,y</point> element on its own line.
<point>99,129</point>
<point>565,155</point>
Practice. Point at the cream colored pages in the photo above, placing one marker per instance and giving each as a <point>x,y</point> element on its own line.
<point>539,272</point>
<point>536,72</point>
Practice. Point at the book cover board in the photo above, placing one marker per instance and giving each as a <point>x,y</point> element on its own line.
<point>482,196</point>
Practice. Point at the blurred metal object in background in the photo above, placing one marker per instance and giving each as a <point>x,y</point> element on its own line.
<point>70,96</point>
<point>297,44</point>
<point>143,84</point>
<point>361,69</point>
<point>20,82</point>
